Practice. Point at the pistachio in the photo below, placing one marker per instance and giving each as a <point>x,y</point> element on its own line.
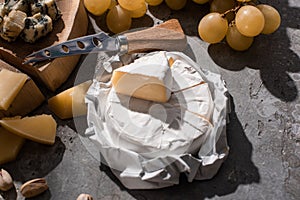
<point>84,197</point>
<point>6,182</point>
<point>34,187</point>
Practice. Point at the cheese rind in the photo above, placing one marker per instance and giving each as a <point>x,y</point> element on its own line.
<point>147,78</point>
<point>41,128</point>
<point>70,103</point>
<point>10,145</point>
<point>11,84</point>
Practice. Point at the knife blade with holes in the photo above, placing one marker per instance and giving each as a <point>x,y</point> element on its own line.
<point>167,36</point>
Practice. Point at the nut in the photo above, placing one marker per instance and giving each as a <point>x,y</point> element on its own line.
<point>6,182</point>
<point>34,187</point>
<point>84,197</point>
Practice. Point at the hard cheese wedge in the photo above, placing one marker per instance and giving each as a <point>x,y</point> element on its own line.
<point>41,128</point>
<point>70,103</point>
<point>148,78</point>
<point>11,84</point>
<point>27,99</point>
<point>10,145</point>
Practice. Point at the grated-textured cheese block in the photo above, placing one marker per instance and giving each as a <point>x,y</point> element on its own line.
<point>10,85</point>
<point>41,128</point>
<point>147,78</point>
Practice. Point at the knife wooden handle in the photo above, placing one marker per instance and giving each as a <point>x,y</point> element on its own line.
<point>167,36</point>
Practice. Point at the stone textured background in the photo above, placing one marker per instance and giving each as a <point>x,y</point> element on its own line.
<point>263,133</point>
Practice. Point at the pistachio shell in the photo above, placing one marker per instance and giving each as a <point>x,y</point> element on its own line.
<point>34,187</point>
<point>84,197</point>
<point>6,182</point>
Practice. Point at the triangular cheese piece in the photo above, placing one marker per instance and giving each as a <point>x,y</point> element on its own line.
<point>10,145</point>
<point>148,78</point>
<point>41,128</point>
<point>10,85</point>
<point>70,103</point>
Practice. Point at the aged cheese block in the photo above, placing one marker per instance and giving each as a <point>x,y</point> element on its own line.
<point>10,145</point>
<point>10,85</point>
<point>41,128</point>
<point>147,78</point>
<point>73,23</point>
<point>27,98</point>
<point>70,103</point>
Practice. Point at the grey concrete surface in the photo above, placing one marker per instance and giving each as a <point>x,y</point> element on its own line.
<point>263,133</point>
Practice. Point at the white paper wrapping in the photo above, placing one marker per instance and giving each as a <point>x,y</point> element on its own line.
<point>136,171</point>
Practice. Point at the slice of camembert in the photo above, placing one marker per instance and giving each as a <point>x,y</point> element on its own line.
<point>41,128</point>
<point>11,84</point>
<point>148,78</point>
<point>10,145</point>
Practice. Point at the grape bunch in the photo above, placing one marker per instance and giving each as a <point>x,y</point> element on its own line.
<point>121,12</point>
<point>238,22</point>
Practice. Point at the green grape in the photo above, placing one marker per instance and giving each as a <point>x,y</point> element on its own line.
<point>154,2</point>
<point>200,1</point>
<point>212,28</point>
<point>118,19</point>
<point>139,12</point>
<point>97,7</point>
<point>236,40</point>
<point>176,4</point>
<point>272,18</point>
<point>131,5</point>
<point>221,6</point>
<point>249,21</point>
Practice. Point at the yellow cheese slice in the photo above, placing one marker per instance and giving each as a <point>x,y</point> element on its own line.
<point>10,85</point>
<point>148,78</point>
<point>10,145</point>
<point>70,103</point>
<point>41,128</point>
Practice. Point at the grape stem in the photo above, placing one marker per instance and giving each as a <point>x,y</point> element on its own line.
<point>231,10</point>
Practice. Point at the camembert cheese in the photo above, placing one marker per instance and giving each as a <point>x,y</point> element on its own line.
<point>180,125</point>
<point>148,78</point>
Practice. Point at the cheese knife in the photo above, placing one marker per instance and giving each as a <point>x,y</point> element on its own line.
<point>167,36</point>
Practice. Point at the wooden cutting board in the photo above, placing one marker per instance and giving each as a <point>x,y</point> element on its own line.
<point>74,23</point>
